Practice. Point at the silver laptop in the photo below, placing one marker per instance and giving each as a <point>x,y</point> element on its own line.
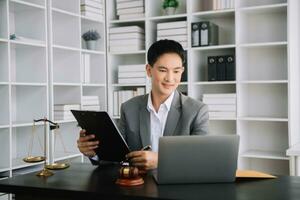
<point>197,159</point>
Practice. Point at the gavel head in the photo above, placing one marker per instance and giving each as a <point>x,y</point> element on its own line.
<point>128,172</point>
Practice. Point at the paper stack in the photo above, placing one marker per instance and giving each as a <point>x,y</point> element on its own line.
<point>173,31</point>
<point>217,4</point>
<point>85,68</point>
<point>122,96</point>
<point>90,103</point>
<point>92,9</point>
<point>130,9</point>
<point>132,74</point>
<point>63,111</point>
<point>126,38</point>
<point>221,105</point>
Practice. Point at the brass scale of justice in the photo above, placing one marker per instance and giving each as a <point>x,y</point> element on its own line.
<point>34,159</point>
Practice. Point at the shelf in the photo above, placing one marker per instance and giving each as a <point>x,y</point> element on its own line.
<point>4,126</point>
<point>27,43</point>
<point>263,9</point>
<point>265,155</point>
<point>93,85</point>
<point>64,156</point>
<point>3,40</point>
<point>25,124</point>
<point>128,85</point>
<point>265,82</point>
<point>65,121</point>
<point>263,44</point>
<point>214,13</point>
<point>92,19</point>
<point>215,47</point>
<point>92,52</point>
<point>65,12</point>
<point>4,83</point>
<point>168,17</point>
<point>127,21</point>
<point>270,119</point>
<point>65,47</point>
<point>29,84</point>
<point>18,163</point>
<point>222,119</point>
<point>66,84</point>
<point>214,83</point>
<point>5,169</point>
<point>128,52</point>
<point>28,4</point>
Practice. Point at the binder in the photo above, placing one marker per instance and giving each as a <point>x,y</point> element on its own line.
<point>230,68</point>
<point>212,68</point>
<point>196,34</point>
<point>209,33</point>
<point>221,68</point>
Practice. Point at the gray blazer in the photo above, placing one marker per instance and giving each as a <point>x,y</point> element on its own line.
<point>186,117</point>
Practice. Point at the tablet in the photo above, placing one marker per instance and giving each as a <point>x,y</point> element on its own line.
<point>112,146</point>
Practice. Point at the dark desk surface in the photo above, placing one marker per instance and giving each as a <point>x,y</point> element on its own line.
<point>84,181</point>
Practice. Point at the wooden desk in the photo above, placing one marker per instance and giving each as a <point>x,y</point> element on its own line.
<point>84,181</point>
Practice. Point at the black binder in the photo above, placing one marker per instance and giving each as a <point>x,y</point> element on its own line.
<point>112,146</point>
<point>209,33</point>
<point>221,68</point>
<point>212,68</point>
<point>230,68</point>
<point>196,34</point>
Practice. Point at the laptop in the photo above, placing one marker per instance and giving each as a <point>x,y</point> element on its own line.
<point>197,159</point>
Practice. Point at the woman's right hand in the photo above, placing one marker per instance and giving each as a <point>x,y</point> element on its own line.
<point>85,144</point>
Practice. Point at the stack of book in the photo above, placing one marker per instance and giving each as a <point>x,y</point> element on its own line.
<point>122,96</point>
<point>217,4</point>
<point>90,103</point>
<point>126,38</point>
<point>85,68</point>
<point>130,9</point>
<point>92,9</point>
<point>221,105</point>
<point>63,111</point>
<point>132,74</point>
<point>173,31</point>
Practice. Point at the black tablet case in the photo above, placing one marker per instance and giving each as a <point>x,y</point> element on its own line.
<point>112,146</point>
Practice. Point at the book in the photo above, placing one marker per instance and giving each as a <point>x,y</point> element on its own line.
<point>212,68</point>
<point>126,29</point>
<point>128,48</point>
<point>126,42</point>
<point>174,37</point>
<point>87,67</point>
<point>91,107</point>
<point>209,33</point>
<point>91,9</point>
<point>230,68</point>
<point>131,16</point>
<point>221,107</point>
<point>220,95</point>
<point>92,15</point>
<point>116,103</point>
<point>171,32</point>
<point>221,114</point>
<point>139,9</point>
<point>66,107</point>
<point>130,4</point>
<point>171,25</point>
<point>132,68</point>
<point>92,3</point>
<point>209,101</point>
<point>90,97</point>
<point>131,74</point>
<point>121,36</point>
<point>132,80</point>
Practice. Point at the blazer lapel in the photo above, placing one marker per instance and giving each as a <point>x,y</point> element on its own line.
<point>173,115</point>
<point>145,123</point>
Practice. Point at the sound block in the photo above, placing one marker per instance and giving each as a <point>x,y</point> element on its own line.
<point>130,182</point>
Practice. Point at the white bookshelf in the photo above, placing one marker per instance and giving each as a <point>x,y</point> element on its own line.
<point>259,34</point>
<point>39,68</point>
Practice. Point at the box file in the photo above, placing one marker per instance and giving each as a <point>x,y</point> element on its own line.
<point>221,68</point>
<point>230,68</point>
<point>209,34</point>
<point>212,68</point>
<point>196,34</point>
